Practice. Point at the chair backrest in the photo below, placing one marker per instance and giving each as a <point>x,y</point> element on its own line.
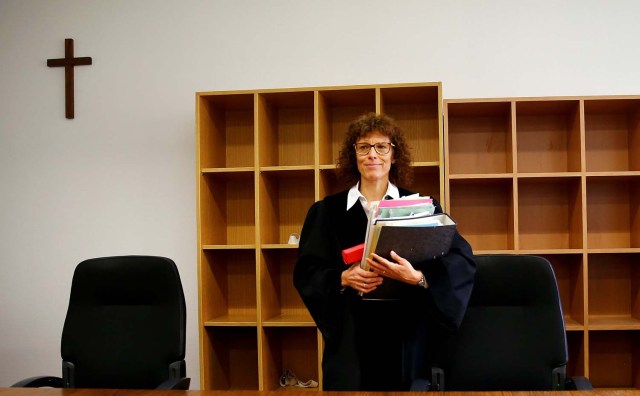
<point>125,325</point>
<point>513,334</point>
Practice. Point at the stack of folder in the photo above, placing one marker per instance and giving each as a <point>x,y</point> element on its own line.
<point>409,227</point>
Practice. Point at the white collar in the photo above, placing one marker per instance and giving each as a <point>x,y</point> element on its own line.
<point>355,195</point>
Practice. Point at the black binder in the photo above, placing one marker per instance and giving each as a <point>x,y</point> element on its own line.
<point>415,242</point>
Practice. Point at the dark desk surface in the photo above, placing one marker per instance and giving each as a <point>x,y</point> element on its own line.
<point>289,392</point>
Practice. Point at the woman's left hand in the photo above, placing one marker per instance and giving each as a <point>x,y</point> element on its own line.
<point>400,270</point>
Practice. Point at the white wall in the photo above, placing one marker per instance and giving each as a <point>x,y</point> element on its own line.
<point>120,178</point>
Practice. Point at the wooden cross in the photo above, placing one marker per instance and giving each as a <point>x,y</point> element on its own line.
<point>68,62</point>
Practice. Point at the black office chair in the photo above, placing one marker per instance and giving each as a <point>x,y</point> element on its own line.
<point>125,327</point>
<point>513,334</point>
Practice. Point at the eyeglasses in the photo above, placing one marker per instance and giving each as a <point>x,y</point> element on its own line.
<point>381,148</point>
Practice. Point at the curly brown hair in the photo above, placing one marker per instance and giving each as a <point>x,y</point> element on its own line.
<point>401,172</point>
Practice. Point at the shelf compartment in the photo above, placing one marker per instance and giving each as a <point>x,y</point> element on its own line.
<point>548,136</point>
<point>285,198</point>
<point>228,287</point>
<point>613,212</point>
<point>479,137</point>
<point>569,271</point>
<point>281,303</point>
<point>225,130</point>
<point>614,359</point>
<point>614,291</point>
<point>227,208</point>
<point>484,212</point>
<point>231,358</point>
<point>426,181</point>
<point>289,348</point>
<point>416,109</point>
<point>286,128</point>
<point>330,183</point>
<point>550,213</point>
<point>612,135</point>
<point>576,366</point>
<point>336,110</point>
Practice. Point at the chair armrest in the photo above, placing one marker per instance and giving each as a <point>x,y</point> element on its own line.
<point>578,383</point>
<point>175,384</point>
<point>39,382</point>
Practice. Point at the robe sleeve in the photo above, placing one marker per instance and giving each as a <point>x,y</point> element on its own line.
<point>450,280</point>
<point>316,275</point>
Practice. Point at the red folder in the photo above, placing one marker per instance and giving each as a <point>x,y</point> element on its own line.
<point>353,254</point>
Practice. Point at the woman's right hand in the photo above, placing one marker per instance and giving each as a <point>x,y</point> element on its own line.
<point>361,280</point>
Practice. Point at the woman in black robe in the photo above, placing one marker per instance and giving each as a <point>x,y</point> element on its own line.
<point>371,344</point>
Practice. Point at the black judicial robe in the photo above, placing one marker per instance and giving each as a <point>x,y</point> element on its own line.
<point>376,345</point>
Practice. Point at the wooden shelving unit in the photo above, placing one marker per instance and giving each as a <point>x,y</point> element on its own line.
<point>263,157</point>
<point>559,177</point>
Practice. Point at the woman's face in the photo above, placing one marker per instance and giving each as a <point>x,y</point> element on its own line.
<point>374,166</point>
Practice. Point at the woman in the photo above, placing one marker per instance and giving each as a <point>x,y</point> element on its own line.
<point>375,345</point>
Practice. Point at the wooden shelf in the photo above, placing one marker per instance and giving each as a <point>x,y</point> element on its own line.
<point>613,322</point>
<point>613,359</point>
<point>227,208</point>
<point>556,177</point>
<point>479,137</point>
<point>230,171</point>
<point>285,198</point>
<point>290,320</point>
<point>232,320</point>
<point>550,213</point>
<point>286,128</point>
<point>559,178</point>
<point>280,300</point>
<point>231,354</point>
<point>570,324</point>
<point>289,348</point>
<point>612,134</point>
<point>612,212</point>
<point>285,169</point>
<point>225,130</point>
<point>614,290</point>
<point>548,135</point>
<point>228,286</point>
<point>484,212</point>
<point>264,157</point>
